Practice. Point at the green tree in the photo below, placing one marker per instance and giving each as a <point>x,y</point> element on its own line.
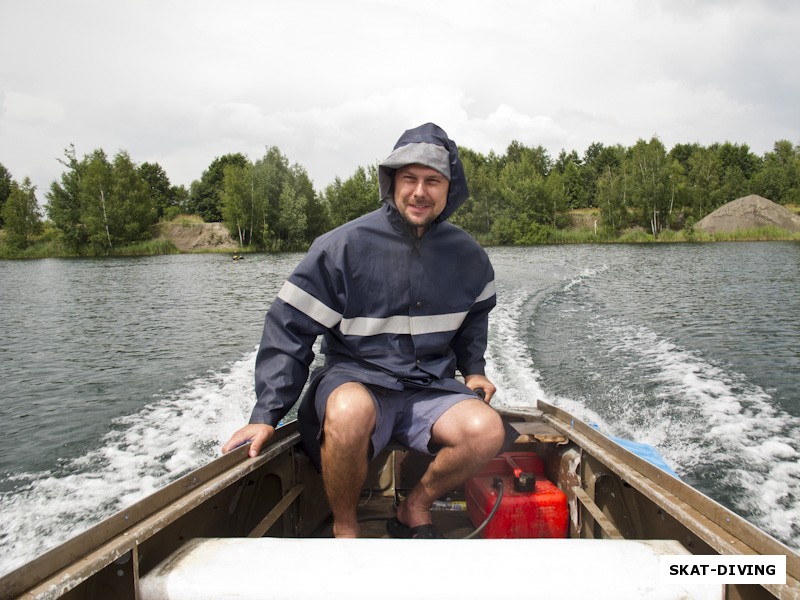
<point>612,198</point>
<point>478,213</point>
<point>734,184</point>
<point>136,212</point>
<point>238,201</point>
<point>779,178</point>
<point>180,198</point>
<point>560,192</point>
<point>356,196</point>
<point>5,188</point>
<point>529,204</point>
<point>574,185</point>
<point>318,218</point>
<point>205,195</point>
<point>271,204</point>
<point>682,153</point>
<point>705,182</point>
<point>163,195</point>
<point>100,210</point>
<point>270,174</point>
<point>565,158</point>
<point>600,161</point>
<point>612,187</point>
<point>650,188</point>
<point>65,206</point>
<point>315,212</point>
<point>100,204</point>
<point>737,156</point>
<point>21,215</point>
<point>292,220</point>
<point>536,157</point>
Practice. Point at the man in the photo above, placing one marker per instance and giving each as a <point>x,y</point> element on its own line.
<point>402,299</point>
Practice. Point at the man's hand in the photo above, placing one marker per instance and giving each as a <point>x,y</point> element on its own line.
<point>256,433</point>
<point>475,382</point>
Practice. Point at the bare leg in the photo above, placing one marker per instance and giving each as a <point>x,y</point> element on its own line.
<point>471,433</point>
<point>349,422</point>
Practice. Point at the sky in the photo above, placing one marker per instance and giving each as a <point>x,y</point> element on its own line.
<point>333,83</point>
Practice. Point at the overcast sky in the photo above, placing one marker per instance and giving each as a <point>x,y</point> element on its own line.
<point>333,83</point>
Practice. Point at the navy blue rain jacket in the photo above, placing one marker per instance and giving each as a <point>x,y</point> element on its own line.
<point>395,310</point>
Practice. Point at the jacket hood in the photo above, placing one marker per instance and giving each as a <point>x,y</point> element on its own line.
<point>426,145</point>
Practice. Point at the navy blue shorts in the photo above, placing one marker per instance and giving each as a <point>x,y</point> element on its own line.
<point>406,415</point>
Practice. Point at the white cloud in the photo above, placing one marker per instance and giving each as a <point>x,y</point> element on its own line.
<point>334,84</point>
<point>31,109</point>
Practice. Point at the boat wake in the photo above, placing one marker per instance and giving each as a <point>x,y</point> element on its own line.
<point>721,432</point>
<point>144,452</point>
<point>508,362</point>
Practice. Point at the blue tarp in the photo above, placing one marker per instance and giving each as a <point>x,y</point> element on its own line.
<point>645,451</point>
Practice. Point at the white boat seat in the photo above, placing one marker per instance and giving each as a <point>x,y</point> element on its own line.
<point>314,568</point>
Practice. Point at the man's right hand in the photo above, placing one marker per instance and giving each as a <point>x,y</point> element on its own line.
<point>257,434</point>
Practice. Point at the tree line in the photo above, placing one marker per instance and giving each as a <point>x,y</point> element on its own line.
<point>98,204</point>
<point>522,196</point>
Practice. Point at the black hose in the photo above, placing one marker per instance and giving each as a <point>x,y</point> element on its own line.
<point>498,485</point>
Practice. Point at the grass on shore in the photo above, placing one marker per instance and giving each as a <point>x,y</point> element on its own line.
<point>50,245</point>
<point>640,236</point>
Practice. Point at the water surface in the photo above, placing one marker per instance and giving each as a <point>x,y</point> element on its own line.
<point>119,375</point>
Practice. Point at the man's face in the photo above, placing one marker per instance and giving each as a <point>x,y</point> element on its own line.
<point>420,194</point>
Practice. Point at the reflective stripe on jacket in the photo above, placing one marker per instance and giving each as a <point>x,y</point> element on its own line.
<point>407,310</point>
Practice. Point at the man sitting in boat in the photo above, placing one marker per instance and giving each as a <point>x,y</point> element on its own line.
<point>402,298</point>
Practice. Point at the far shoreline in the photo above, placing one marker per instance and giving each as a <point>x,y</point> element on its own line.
<point>164,245</point>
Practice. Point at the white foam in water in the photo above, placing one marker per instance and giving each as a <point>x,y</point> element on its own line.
<point>508,362</point>
<point>713,418</point>
<point>586,274</point>
<point>709,418</point>
<point>148,449</point>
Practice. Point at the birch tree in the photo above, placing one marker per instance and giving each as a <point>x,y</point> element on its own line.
<point>238,201</point>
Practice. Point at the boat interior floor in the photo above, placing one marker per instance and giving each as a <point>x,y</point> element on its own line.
<point>393,474</point>
<point>375,510</point>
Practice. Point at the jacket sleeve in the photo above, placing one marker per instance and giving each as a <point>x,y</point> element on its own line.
<point>470,341</point>
<point>304,309</point>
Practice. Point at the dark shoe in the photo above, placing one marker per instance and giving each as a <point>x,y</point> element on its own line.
<point>397,529</point>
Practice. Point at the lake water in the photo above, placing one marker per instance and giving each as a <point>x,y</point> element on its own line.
<point>118,376</point>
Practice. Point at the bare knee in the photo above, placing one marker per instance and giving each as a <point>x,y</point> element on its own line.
<point>349,413</point>
<point>471,424</point>
<point>486,433</point>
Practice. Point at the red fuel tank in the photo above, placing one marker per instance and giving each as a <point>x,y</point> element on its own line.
<point>523,513</point>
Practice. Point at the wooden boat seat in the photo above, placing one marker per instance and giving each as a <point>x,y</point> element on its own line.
<point>529,431</point>
<point>276,568</point>
<point>536,431</point>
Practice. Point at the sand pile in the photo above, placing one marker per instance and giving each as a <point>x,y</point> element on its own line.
<point>750,212</point>
<point>198,236</point>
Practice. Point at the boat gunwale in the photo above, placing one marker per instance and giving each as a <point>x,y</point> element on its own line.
<point>121,532</point>
<point>67,565</point>
<point>721,528</point>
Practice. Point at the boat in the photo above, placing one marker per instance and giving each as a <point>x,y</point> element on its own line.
<point>241,527</point>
